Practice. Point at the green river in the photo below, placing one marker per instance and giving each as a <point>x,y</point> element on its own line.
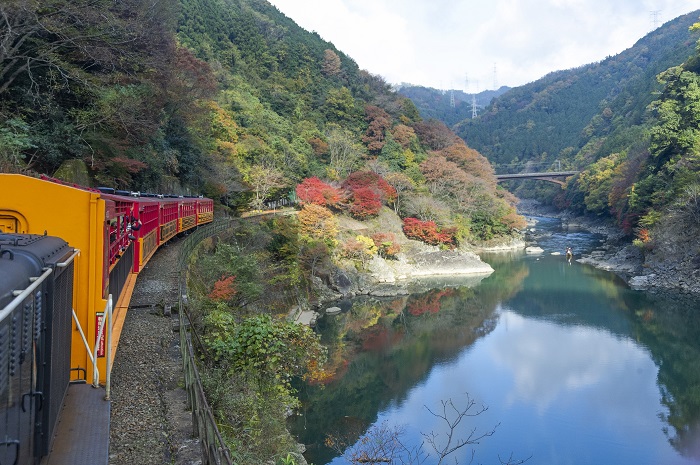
<point>572,365</point>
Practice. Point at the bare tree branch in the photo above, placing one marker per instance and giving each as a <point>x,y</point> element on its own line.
<point>452,417</point>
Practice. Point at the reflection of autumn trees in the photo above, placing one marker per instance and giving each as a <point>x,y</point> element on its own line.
<point>382,347</point>
<point>428,302</point>
<point>672,333</point>
<point>379,325</point>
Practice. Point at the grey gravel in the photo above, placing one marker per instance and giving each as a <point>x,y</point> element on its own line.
<point>150,423</point>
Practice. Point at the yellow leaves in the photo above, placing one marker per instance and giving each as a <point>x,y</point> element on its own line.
<point>318,222</point>
<point>367,243</point>
<point>223,127</point>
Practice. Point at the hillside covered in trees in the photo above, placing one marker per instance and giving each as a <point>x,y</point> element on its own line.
<point>629,123</point>
<point>557,115</point>
<point>231,99</point>
<point>225,97</point>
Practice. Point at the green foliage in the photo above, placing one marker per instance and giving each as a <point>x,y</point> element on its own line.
<point>228,260</point>
<point>14,138</point>
<point>629,123</point>
<point>567,109</point>
<point>270,351</point>
<point>247,418</point>
<point>597,181</point>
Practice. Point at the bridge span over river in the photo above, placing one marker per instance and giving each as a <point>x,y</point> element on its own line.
<point>557,177</point>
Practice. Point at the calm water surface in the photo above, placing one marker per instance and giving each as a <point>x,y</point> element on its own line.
<point>573,366</point>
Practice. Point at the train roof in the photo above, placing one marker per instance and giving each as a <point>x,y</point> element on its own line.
<point>121,194</point>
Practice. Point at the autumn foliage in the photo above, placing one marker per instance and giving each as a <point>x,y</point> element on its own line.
<point>386,244</point>
<point>313,190</point>
<point>427,303</point>
<point>224,288</point>
<point>318,222</point>
<point>368,191</point>
<point>379,121</point>
<point>365,203</point>
<point>428,232</point>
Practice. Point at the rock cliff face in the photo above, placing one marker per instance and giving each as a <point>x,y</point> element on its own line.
<point>430,261</point>
<point>416,267</point>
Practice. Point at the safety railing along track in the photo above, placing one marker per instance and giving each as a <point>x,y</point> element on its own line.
<point>214,449</point>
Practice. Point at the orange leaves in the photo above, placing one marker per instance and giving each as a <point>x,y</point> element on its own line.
<point>313,190</point>
<point>428,232</point>
<point>224,288</point>
<point>386,244</point>
<point>318,222</point>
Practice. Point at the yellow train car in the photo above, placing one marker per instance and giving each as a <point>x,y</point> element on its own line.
<point>116,233</point>
<point>35,206</point>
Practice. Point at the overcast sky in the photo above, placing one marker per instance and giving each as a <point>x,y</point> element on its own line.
<point>474,44</point>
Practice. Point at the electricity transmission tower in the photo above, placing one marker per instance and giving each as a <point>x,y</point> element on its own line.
<point>655,20</point>
<point>474,113</point>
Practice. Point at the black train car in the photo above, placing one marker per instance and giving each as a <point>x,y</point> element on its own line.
<point>36,297</point>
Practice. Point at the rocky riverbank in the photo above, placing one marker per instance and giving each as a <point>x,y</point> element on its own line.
<point>671,263</point>
<point>666,267</point>
<point>416,267</point>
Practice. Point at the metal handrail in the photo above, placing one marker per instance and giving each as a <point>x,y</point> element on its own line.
<point>214,449</point>
<point>76,252</point>
<point>107,320</point>
<point>108,349</point>
<point>21,295</point>
<point>36,281</point>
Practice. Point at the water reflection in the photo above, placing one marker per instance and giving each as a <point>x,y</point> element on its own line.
<point>576,367</point>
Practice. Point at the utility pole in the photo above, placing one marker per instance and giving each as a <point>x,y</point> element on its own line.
<point>495,87</point>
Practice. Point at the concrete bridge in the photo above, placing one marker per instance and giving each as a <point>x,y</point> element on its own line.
<point>557,177</point>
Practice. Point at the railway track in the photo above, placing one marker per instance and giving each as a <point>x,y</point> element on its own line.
<point>149,420</point>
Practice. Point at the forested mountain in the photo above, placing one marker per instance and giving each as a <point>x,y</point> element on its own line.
<point>231,99</point>
<point>630,123</point>
<point>557,115</point>
<point>228,97</point>
<point>438,104</point>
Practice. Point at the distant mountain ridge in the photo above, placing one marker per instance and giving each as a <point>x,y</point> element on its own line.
<point>437,104</point>
<point>557,115</point>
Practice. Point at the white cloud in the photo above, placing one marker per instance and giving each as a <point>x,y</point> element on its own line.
<point>441,43</point>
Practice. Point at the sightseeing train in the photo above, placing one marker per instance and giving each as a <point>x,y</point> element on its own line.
<point>69,257</point>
